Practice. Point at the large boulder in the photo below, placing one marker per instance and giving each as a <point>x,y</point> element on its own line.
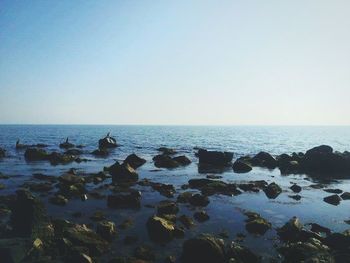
<point>160,229</point>
<point>241,167</point>
<point>238,253</point>
<point>291,231</point>
<point>107,230</point>
<point>134,161</point>
<point>35,154</point>
<point>214,158</point>
<point>205,249</point>
<point>107,142</point>
<point>123,173</point>
<point>272,190</point>
<point>165,161</point>
<point>255,224</point>
<point>264,159</point>
<point>332,199</point>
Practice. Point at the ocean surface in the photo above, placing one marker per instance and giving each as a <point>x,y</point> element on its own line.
<point>225,212</point>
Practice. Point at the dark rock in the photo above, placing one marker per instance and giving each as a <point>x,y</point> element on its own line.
<point>333,191</point>
<point>264,159</point>
<point>2,153</point>
<point>255,224</point>
<point>273,190</point>
<point>134,161</point>
<point>107,230</point>
<point>332,199</point>
<point>204,249</point>
<point>199,200</point>
<point>39,187</point>
<point>123,173</point>
<point>34,154</point>
<point>165,161</point>
<point>210,187</point>
<point>71,179</point>
<point>73,152</point>
<point>319,229</point>
<point>323,149</point>
<point>103,152</point>
<point>295,188</point>
<point>44,177</point>
<point>167,207</point>
<point>58,158</point>
<point>291,230</point>
<point>107,142</point>
<point>186,221</point>
<point>145,253</point>
<point>182,160</point>
<point>13,250</point>
<point>241,167</point>
<point>131,199</point>
<point>214,158</point>
<point>345,196</point>
<point>66,144</point>
<point>160,229</point>
<point>58,200</point>
<point>338,241</point>
<point>295,197</point>
<point>184,197</point>
<point>167,151</point>
<point>201,216</point>
<point>241,254</point>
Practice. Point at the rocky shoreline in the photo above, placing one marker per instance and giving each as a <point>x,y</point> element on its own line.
<point>29,234</point>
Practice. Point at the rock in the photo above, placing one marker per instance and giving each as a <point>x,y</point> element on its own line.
<point>214,158</point>
<point>241,254</point>
<point>58,200</point>
<point>170,259</point>
<point>255,224</point>
<point>134,161</point>
<point>165,161</point>
<point>73,152</point>
<point>13,250</point>
<point>107,142</point>
<point>66,144</point>
<point>184,197</point>
<point>323,149</point>
<point>39,187</point>
<point>107,230</point>
<point>123,173</point>
<point>167,207</point>
<point>103,152</point>
<point>295,188</point>
<point>44,177</point>
<point>320,229</point>
<point>71,179</point>
<point>345,196</point>
<point>332,199</point>
<point>204,249</point>
<point>264,159</point>
<point>272,190</point>
<point>241,167</point>
<point>160,229</point>
<point>182,160</point>
<point>291,230</point>
<point>338,241</point>
<point>186,221</point>
<point>199,200</point>
<point>311,251</point>
<point>167,151</point>
<point>131,199</point>
<point>2,153</point>
<point>58,158</point>
<point>201,216</point>
<point>295,197</point>
<point>34,154</point>
<point>210,187</point>
<point>333,191</point>
<point>144,252</point>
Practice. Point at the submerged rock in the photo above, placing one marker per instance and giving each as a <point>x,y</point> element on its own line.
<point>58,200</point>
<point>134,161</point>
<point>123,173</point>
<point>238,253</point>
<point>34,154</point>
<point>241,167</point>
<point>273,190</point>
<point>210,187</point>
<point>214,158</point>
<point>160,229</point>
<point>131,199</point>
<point>107,142</point>
<point>205,249</point>
<point>345,196</point>
<point>186,221</point>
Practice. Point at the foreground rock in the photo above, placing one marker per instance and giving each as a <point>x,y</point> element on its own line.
<point>273,190</point>
<point>238,253</point>
<point>166,161</point>
<point>129,199</point>
<point>107,142</point>
<point>255,224</point>
<point>332,199</point>
<point>107,230</point>
<point>241,167</point>
<point>214,158</point>
<point>134,161</point>
<point>123,173</point>
<point>205,249</point>
<point>160,229</point>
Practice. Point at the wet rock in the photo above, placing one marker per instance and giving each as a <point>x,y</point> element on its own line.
<point>345,196</point>
<point>134,161</point>
<point>201,216</point>
<point>255,224</point>
<point>186,221</point>
<point>144,252</point>
<point>127,223</point>
<point>2,153</point>
<point>58,200</point>
<point>107,142</point>
<point>210,187</point>
<point>131,199</point>
<point>81,258</point>
<point>44,177</point>
<point>295,197</point>
<point>182,160</point>
<point>34,154</point>
<point>167,207</point>
<point>333,191</point>
<point>167,190</point>
<point>332,199</point>
<point>272,190</point>
<point>107,230</point>
<point>13,249</point>
<point>295,188</point>
<point>73,152</point>
<point>70,179</point>
<point>184,197</point>
<point>213,176</point>
<point>167,151</point>
<point>264,159</point>
<point>123,173</point>
<point>100,152</point>
<point>241,167</point>
<point>165,161</point>
<point>319,229</point>
<point>39,187</point>
<point>66,144</point>
<point>160,229</point>
<point>214,158</point>
<point>338,241</point>
<point>240,254</point>
<point>199,200</point>
<point>205,249</point>
<point>56,158</point>
<point>291,230</point>
<point>311,251</point>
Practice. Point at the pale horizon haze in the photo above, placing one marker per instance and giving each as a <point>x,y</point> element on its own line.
<point>183,62</point>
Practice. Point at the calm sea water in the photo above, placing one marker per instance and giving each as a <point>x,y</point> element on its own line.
<point>225,212</point>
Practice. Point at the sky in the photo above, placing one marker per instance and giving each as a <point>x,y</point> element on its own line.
<point>184,62</point>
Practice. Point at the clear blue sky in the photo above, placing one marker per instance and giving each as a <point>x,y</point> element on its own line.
<point>175,62</point>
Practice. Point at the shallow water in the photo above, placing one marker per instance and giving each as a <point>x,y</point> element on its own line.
<point>225,212</point>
